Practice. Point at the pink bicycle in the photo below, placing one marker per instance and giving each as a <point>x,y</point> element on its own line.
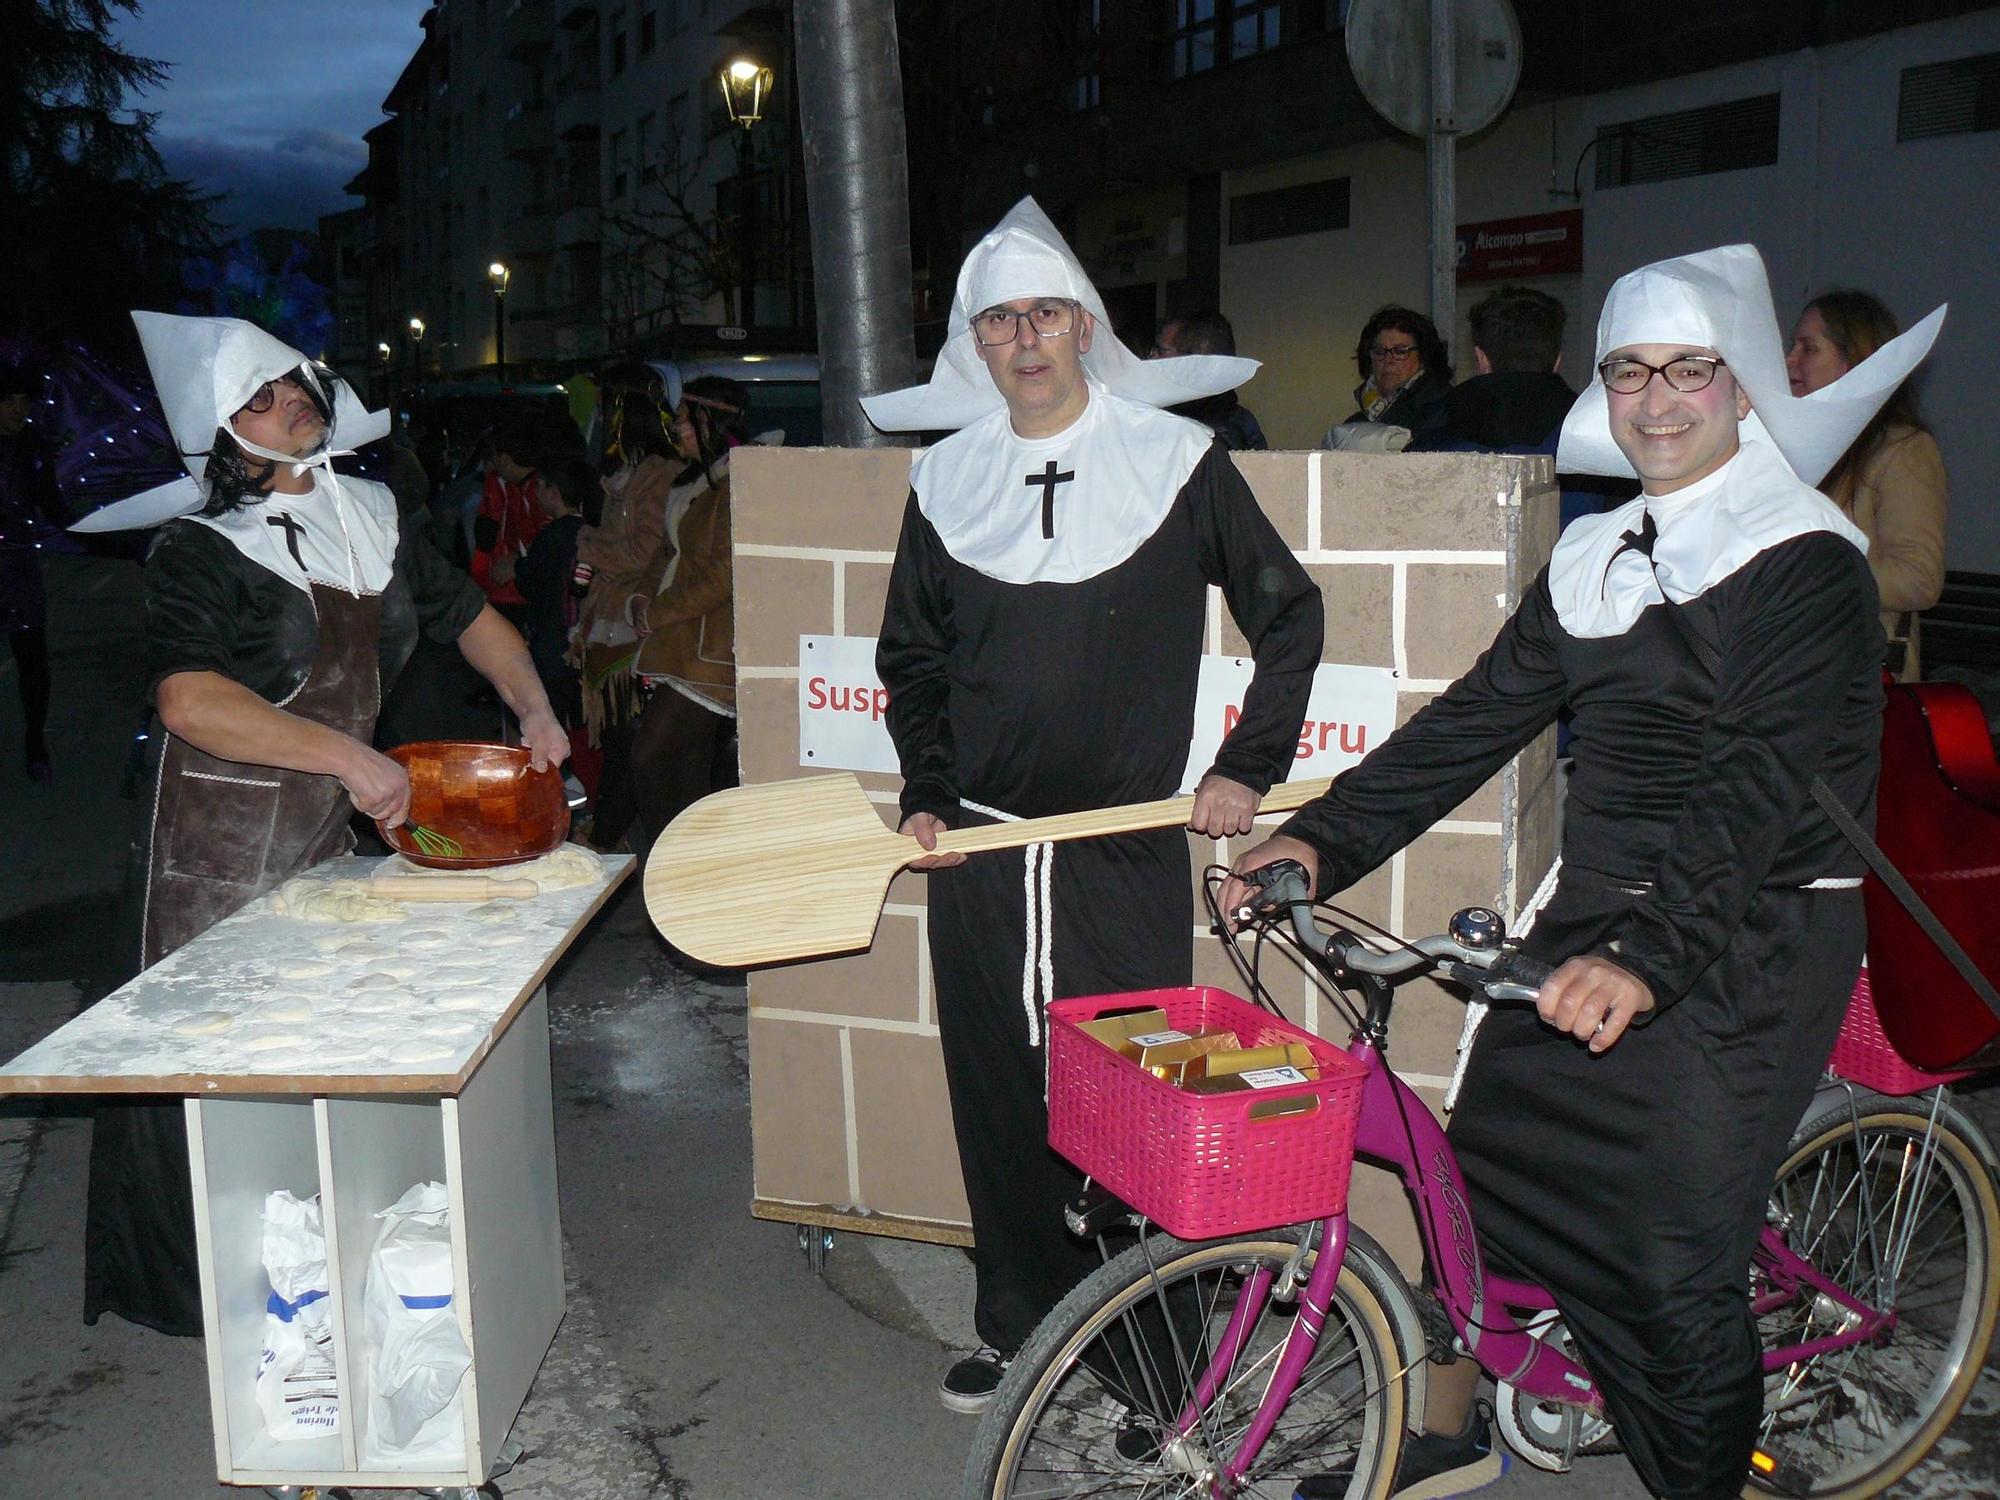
<point>1235,1366</point>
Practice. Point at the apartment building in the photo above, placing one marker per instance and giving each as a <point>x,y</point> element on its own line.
<point>569,166</point>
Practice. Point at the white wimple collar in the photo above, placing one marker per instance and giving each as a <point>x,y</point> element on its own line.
<point>1601,583</point>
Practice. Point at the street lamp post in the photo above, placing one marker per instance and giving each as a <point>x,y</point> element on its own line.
<point>746,87</point>
<point>416,350</point>
<point>383,355</point>
<point>498,274</point>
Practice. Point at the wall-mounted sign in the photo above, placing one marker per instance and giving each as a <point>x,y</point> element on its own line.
<point>1515,249</point>
<point>842,704</point>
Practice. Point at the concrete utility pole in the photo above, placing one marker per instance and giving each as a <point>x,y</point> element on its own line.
<point>858,200</point>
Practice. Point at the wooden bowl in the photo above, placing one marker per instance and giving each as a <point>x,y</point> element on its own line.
<point>488,797</point>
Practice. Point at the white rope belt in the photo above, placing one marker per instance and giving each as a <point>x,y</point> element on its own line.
<point>1475,1011</point>
<point>1038,973</point>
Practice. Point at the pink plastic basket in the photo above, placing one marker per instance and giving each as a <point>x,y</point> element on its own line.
<point>1863,1052</point>
<point>1203,1165</point>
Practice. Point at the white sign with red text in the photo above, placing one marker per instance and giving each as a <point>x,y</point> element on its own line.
<point>842,706</point>
<point>1350,712</point>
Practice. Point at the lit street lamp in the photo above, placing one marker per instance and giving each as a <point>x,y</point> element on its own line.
<point>498,274</point>
<point>746,88</point>
<point>417,348</point>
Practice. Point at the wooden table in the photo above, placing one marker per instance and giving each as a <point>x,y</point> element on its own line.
<point>343,1118</point>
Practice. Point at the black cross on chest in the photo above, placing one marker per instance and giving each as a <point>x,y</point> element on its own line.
<point>1048,479</point>
<point>293,531</point>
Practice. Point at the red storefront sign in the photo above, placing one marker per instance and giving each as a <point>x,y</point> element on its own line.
<point>1514,249</point>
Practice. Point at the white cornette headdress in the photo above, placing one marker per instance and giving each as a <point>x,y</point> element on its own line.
<point>1025,256</point>
<point>1721,299</point>
<point>205,369</point>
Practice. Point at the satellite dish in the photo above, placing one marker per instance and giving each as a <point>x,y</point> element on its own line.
<point>1389,49</point>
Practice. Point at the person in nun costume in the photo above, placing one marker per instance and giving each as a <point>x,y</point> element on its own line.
<point>281,601</point>
<point>1040,644</point>
<point>1619,1139</point>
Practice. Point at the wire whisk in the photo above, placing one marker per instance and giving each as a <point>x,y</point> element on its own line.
<point>435,845</point>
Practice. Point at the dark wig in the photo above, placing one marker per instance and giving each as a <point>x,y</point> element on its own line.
<point>1432,356</point>
<point>634,425</point>
<point>716,405</point>
<point>234,478</point>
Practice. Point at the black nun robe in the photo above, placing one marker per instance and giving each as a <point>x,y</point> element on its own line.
<point>1632,1183</point>
<point>1040,644</point>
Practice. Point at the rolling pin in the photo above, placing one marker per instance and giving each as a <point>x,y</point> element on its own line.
<point>451,888</point>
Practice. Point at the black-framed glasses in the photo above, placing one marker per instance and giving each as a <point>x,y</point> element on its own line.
<point>1688,374</point>
<point>266,395</point>
<point>1002,325</point>
<point>1393,351</point>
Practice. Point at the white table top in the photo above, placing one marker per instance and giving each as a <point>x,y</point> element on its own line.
<point>403,1006</point>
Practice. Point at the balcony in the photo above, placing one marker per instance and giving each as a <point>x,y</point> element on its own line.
<point>578,225</point>
<point>579,108</point>
<point>533,233</point>
<point>525,29</point>
<point>529,130</point>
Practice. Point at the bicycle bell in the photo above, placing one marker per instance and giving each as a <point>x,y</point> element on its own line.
<point>1477,928</point>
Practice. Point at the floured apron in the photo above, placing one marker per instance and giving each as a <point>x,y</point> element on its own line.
<point>223,833</point>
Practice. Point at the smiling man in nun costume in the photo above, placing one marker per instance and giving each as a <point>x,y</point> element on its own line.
<point>281,602</point>
<point>1040,645</point>
<point>1619,1139</point>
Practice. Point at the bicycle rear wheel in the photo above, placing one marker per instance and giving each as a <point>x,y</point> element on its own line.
<point>1896,1225</point>
<point>1117,1356</point>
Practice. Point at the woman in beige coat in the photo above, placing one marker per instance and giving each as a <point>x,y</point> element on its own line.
<point>687,657</point>
<point>1892,481</point>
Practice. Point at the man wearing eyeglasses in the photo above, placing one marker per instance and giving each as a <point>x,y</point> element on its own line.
<point>1040,643</point>
<point>1717,641</point>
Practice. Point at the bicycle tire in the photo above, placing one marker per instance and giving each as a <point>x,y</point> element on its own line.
<point>1825,1418</point>
<point>1066,1393</point>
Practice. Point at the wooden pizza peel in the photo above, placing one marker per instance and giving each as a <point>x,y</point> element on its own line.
<point>799,869</point>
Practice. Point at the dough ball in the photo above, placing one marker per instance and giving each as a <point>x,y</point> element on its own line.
<point>450,1027</point>
<point>426,940</point>
<point>377,980</point>
<point>305,968</point>
<point>284,1060</point>
<point>205,1023</point>
<point>272,1041</point>
<point>286,1008</point>
<point>571,865</point>
<point>502,937</point>
<point>341,942</point>
<point>392,968</point>
<point>381,1002</point>
<point>463,1000</point>
<point>421,1050</point>
<point>333,901</point>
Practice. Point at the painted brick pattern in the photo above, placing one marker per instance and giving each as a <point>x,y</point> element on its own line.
<point>1419,558</point>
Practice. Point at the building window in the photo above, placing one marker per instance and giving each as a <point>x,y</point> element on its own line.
<point>617,43</point>
<point>618,177</point>
<point>1958,97</point>
<point>1692,142</point>
<point>648,29</point>
<point>677,129</point>
<point>1203,34</point>
<point>648,135</point>
<point>1086,88</point>
<point>1308,208</point>
<point>674,18</point>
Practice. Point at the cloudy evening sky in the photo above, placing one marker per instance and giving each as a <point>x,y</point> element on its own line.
<point>268,98</point>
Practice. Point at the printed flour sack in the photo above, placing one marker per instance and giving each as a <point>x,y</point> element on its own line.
<point>416,1356</point>
<point>296,1390</point>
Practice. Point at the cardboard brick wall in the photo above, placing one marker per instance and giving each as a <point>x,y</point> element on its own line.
<point>1419,557</point>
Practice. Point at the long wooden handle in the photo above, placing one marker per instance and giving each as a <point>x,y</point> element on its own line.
<point>1168,812</point>
<point>451,888</point>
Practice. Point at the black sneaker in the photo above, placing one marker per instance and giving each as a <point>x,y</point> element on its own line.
<point>1432,1467</point>
<point>968,1385</point>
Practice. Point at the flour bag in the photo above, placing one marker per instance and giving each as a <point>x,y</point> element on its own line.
<point>296,1390</point>
<point>416,1356</point>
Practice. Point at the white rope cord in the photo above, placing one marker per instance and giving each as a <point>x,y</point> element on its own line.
<point>1475,1011</point>
<point>1038,974</point>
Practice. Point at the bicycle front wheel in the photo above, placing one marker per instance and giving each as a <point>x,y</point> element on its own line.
<point>1903,1218</point>
<point>1089,1405</point>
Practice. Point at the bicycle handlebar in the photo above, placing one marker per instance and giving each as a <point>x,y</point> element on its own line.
<point>1471,953</point>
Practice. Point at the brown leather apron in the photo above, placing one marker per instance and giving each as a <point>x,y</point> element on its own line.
<point>224,832</point>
